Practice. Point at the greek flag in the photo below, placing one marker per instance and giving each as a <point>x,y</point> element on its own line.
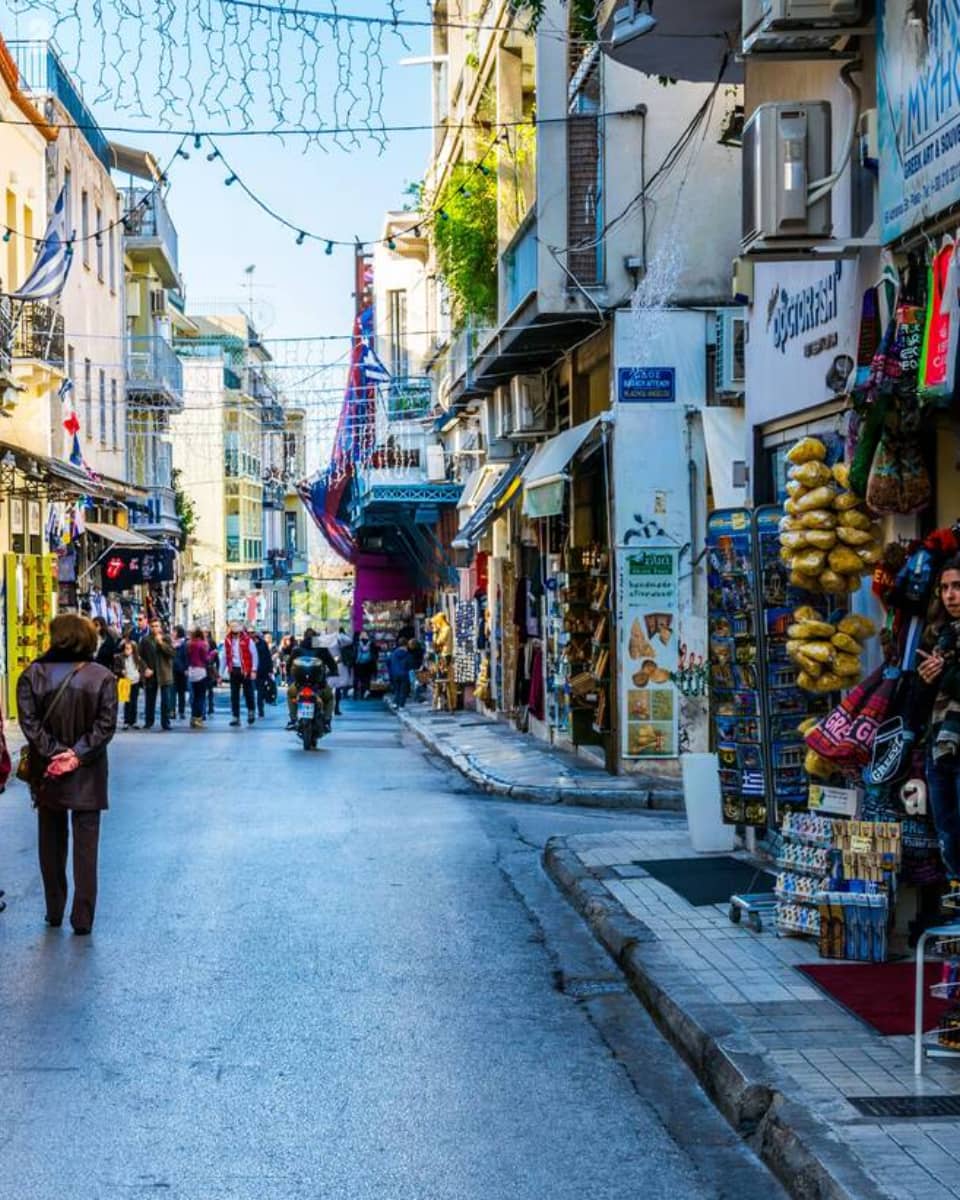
<point>52,265</point>
<point>372,369</point>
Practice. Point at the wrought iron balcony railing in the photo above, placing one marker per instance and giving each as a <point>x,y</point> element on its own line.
<point>37,332</point>
<point>153,366</point>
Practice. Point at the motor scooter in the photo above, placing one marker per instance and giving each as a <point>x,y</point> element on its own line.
<point>310,680</point>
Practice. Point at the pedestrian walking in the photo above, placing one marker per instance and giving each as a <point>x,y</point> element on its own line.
<point>364,663</point>
<point>68,713</point>
<point>241,669</point>
<point>263,669</point>
<point>156,653</point>
<point>338,643</point>
<point>131,671</point>
<point>180,685</point>
<point>198,661</point>
<point>213,671</point>
<point>416,667</point>
<point>142,627</point>
<point>399,666</point>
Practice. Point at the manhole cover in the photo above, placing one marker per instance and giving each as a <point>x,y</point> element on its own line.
<point>907,1106</point>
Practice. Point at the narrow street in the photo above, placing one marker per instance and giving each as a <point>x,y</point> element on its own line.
<point>339,974</point>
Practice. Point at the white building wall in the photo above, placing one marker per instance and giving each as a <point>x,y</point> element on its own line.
<point>198,451</point>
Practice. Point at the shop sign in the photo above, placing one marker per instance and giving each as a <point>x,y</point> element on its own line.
<point>646,385</point>
<point>126,567</point>
<point>918,102</point>
<point>648,605</point>
<point>802,343</point>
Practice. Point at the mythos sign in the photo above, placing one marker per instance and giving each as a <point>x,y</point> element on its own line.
<point>918,95</point>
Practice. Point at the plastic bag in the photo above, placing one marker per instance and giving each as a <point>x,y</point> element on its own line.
<point>819,497</point>
<point>807,449</point>
<point>821,539</point>
<point>845,501</point>
<point>794,540</point>
<point>855,537</point>
<point>821,652</point>
<point>805,631</point>
<point>856,626</point>
<point>846,644</point>
<point>817,518</point>
<point>811,474</point>
<point>846,665</point>
<point>854,518</point>
<point>841,474</point>
<point>845,561</point>
<point>831,582</point>
<point>898,481</point>
<point>809,562</point>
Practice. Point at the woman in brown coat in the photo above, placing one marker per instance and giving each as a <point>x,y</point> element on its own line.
<point>68,760</point>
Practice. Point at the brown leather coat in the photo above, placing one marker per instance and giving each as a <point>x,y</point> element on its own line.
<point>84,720</point>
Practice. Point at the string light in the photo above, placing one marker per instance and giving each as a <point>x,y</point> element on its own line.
<point>443,214</point>
<point>197,143</point>
<point>231,179</point>
<point>181,153</point>
<point>301,238</point>
<point>329,249</point>
<point>7,235</point>
<point>214,154</point>
<point>391,244</point>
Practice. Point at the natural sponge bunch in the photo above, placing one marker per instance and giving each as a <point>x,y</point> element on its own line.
<point>827,539</point>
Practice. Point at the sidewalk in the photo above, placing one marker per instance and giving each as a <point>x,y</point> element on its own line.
<point>779,1057</point>
<point>499,760</point>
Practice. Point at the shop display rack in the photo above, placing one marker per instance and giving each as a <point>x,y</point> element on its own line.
<point>942,941</point>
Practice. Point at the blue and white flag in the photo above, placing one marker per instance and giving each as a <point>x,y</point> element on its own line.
<point>52,264</point>
<point>372,370</point>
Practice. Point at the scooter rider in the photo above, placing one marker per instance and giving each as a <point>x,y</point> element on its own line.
<point>306,649</point>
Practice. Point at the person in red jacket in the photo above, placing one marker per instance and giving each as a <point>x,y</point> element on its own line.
<point>240,658</point>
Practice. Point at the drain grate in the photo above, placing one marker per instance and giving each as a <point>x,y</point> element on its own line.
<point>907,1106</point>
<point>584,989</point>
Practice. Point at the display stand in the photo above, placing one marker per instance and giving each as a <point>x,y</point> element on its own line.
<point>946,935</point>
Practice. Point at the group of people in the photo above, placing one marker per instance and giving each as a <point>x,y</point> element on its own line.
<point>174,670</point>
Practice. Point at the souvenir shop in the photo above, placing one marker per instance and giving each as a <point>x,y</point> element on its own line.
<point>824,607</point>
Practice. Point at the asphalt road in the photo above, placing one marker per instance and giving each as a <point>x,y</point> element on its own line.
<point>339,974</point>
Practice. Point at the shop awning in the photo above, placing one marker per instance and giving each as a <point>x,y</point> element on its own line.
<point>477,487</point>
<point>490,504</point>
<point>117,536</point>
<point>546,473</point>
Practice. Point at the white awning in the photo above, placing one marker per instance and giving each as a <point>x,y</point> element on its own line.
<point>546,472</point>
<point>117,536</point>
<point>477,487</point>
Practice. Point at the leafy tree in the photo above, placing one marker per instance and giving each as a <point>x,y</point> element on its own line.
<point>465,238</point>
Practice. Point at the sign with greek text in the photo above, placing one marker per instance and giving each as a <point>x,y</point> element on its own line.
<point>647,385</point>
<point>649,636</point>
<point>918,101</point>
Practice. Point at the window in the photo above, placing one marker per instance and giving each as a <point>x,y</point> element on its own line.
<point>397,308</point>
<point>11,219</point>
<point>112,246</point>
<point>114,427</point>
<point>72,371</point>
<point>85,226</point>
<point>102,398</point>
<point>68,200</point>
<point>88,398</point>
<point>29,250</point>
<point>99,243</point>
<point>290,533</point>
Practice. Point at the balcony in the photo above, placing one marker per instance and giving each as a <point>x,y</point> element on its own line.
<point>43,74</point>
<point>274,494</point>
<point>461,357</point>
<point>35,334</point>
<point>149,234</point>
<point>232,380</point>
<point>518,267</point>
<point>158,516</point>
<point>688,42</point>
<point>154,370</point>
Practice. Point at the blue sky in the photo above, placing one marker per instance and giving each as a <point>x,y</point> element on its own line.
<point>341,193</point>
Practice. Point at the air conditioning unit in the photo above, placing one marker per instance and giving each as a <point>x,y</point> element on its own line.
<point>527,417</point>
<point>797,25</point>
<point>436,466</point>
<point>496,420</point>
<point>133,298</point>
<point>786,149</point>
<point>158,302</point>
<point>731,352</point>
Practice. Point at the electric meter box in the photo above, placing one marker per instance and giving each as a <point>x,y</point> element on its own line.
<point>786,149</point>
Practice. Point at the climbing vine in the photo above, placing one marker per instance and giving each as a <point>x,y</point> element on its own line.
<point>465,239</point>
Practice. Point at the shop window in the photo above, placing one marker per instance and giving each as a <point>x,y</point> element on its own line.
<point>102,405</point>
<point>85,226</point>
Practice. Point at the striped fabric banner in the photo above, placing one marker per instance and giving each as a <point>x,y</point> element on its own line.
<point>52,264</point>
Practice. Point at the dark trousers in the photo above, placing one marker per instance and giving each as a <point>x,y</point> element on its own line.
<point>943,783</point>
<point>167,701</point>
<point>198,699</point>
<point>238,682</point>
<point>53,841</point>
<point>401,689</point>
<point>180,691</point>
<point>260,688</point>
<point>130,706</point>
<point>211,695</point>
<point>362,674</point>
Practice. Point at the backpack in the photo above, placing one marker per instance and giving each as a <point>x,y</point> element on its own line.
<point>347,654</point>
<point>364,653</point>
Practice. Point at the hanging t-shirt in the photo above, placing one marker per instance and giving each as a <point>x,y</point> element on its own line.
<point>936,366</point>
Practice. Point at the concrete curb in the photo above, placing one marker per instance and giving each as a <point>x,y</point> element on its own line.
<point>642,798</point>
<point>750,1090</point>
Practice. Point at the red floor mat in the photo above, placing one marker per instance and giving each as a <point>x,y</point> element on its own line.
<point>881,994</point>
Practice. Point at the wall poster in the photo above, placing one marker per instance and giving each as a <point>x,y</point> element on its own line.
<point>649,601</point>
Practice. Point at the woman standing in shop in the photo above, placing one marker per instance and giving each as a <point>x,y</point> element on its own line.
<point>939,667</point>
<point>68,713</point>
